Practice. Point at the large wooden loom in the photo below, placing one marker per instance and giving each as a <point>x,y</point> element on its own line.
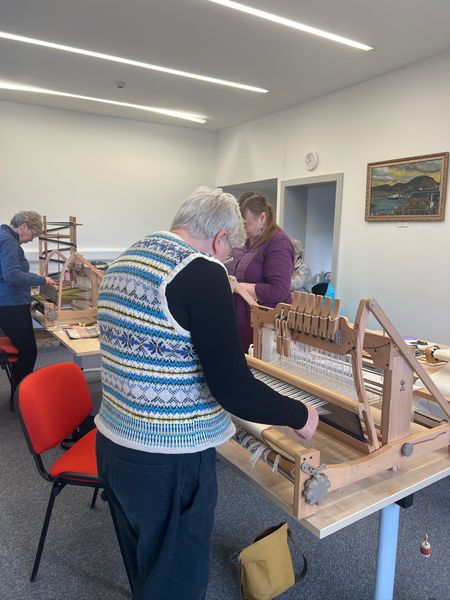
<point>390,437</point>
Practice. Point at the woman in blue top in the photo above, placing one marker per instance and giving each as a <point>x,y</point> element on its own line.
<point>15,288</point>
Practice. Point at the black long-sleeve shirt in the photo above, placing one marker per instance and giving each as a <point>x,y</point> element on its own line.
<point>200,299</point>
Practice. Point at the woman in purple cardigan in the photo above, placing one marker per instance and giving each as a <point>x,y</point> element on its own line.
<point>264,265</point>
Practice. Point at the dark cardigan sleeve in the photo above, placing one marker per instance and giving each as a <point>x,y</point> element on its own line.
<point>278,266</point>
<point>199,298</point>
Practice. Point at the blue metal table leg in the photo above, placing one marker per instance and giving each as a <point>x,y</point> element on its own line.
<point>387,552</point>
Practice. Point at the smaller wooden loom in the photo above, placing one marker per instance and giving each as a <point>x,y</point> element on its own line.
<point>75,297</point>
<point>390,436</point>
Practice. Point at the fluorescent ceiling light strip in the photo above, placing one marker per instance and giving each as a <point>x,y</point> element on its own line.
<point>289,23</point>
<point>5,85</point>
<point>127,61</point>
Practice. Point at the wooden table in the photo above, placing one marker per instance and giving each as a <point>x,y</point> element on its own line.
<point>350,504</point>
<point>79,348</point>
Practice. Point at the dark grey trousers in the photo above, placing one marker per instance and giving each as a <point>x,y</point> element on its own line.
<point>163,505</point>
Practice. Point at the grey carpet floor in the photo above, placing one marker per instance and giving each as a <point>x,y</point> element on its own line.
<point>81,558</point>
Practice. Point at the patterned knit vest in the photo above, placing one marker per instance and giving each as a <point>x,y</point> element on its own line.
<point>155,397</point>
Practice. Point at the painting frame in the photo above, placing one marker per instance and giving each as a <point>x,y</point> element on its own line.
<point>420,198</point>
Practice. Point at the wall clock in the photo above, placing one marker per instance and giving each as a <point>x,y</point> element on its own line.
<point>311,160</point>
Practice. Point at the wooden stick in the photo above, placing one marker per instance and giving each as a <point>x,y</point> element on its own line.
<point>325,317</point>
<point>317,309</point>
<point>409,354</point>
<point>360,328</point>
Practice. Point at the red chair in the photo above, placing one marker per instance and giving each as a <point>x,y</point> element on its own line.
<point>9,355</point>
<point>52,402</point>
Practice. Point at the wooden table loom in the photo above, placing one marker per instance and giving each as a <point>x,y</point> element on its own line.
<point>321,357</point>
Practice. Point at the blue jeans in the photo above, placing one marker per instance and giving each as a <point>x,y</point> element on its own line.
<point>163,507</point>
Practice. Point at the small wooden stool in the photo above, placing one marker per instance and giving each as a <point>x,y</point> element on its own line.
<point>9,355</point>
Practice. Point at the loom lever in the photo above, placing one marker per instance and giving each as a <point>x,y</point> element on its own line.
<point>309,470</point>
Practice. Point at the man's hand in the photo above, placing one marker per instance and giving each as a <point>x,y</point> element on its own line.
<point>50,281</point>
<point>309,429</point>
<point>233,282</point>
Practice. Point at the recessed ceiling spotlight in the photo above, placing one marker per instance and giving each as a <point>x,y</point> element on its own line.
<point>127,61</point>
<point>289,23</point>
<point>177,114</point>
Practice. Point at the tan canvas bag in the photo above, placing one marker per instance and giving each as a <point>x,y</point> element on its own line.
<point>265,567</point>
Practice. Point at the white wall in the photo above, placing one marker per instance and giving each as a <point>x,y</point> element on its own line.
<point>405,113</point>
<point>120,178</point>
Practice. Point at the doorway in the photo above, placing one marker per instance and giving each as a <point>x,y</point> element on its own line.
<point>310,210</point>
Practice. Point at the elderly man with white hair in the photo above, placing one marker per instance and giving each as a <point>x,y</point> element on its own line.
<point>173,371</point>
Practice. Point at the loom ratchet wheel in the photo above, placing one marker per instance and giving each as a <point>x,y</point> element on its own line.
<point>316,488</point>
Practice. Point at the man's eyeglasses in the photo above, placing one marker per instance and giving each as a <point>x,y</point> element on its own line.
<point>230,256</point>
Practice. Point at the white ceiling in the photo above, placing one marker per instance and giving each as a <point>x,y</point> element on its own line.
<point>205,38</point>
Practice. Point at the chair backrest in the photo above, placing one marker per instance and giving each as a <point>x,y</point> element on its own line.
<point>52,402</point>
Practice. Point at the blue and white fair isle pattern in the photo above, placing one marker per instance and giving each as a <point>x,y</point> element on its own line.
<point>155,397</point>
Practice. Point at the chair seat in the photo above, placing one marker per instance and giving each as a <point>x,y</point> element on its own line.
<point>6,346</point>
<point>51,402</point>
<point>81,458</point>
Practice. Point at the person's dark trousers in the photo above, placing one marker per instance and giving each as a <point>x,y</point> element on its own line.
<point>17,324</point>
<point>163,507</point>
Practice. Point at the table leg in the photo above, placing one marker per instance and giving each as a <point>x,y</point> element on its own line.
<point>83,361</point>
<point>387,552</point>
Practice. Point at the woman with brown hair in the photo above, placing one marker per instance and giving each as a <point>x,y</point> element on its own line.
<point>264,265</point>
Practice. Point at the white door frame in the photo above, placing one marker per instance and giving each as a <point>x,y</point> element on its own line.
<point>338,179</point>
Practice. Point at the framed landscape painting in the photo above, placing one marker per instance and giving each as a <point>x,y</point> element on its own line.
<point>407,189</point>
